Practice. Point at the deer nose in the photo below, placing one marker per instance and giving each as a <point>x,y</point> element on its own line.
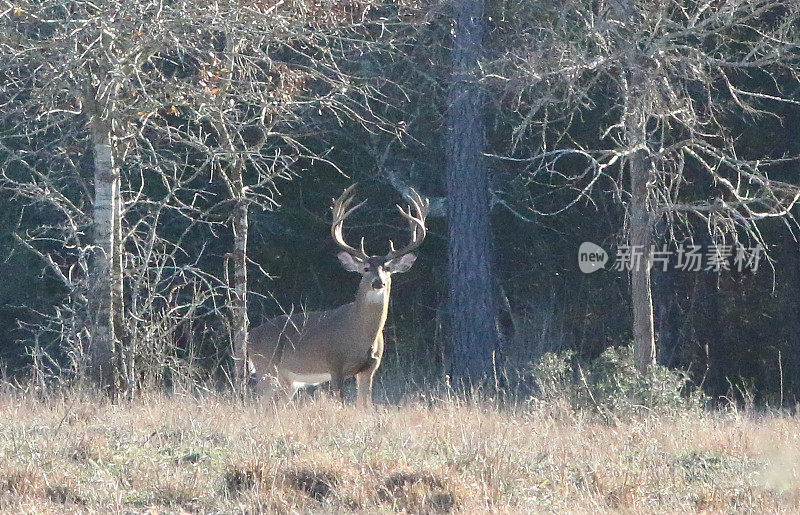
<point>377,284</point>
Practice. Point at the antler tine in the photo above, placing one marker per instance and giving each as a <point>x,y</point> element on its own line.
<point>341,204</point>
<point>416,220</point>
<point>341,210</point>
<point>422,206</point>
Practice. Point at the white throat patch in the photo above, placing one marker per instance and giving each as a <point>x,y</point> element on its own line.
<point>376,296</point>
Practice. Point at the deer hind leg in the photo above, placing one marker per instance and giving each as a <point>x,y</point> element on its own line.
<point>337,385</point>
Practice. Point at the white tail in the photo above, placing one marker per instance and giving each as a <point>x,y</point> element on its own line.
<point>314,347</point>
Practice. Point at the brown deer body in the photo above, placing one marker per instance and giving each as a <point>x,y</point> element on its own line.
<point>307,348</point>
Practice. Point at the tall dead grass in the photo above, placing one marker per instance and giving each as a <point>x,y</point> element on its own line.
<point>79,452</point>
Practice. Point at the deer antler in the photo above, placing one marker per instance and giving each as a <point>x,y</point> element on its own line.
<point>341,210</point>
<point>417,222</point>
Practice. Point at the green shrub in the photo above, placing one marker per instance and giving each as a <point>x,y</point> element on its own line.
<point>611,386</point>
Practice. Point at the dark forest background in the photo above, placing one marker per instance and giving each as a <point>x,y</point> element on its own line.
<point>731,331</point>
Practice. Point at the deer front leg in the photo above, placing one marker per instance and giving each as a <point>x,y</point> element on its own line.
<point>365,376</point>
<point>364,385</point>
<point>265,387</point>
<point>274,388</point>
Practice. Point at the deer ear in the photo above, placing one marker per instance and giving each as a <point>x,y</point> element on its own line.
<point>350,263</point>
<point>401,264</point>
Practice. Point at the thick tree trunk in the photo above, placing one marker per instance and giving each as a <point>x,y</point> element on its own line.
<point>641,239</point>
<point>239,318</point>
<point>472,303</point>
<point>101,297</point>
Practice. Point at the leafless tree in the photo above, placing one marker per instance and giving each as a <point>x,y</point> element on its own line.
<point>68,67</point>
<point>671,77</point>
<point>120,113</point>
<point>260,77</point>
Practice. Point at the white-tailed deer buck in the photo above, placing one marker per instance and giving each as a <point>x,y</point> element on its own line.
<point>314,347</point>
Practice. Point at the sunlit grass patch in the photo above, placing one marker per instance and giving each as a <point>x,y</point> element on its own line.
<point>214,454</point>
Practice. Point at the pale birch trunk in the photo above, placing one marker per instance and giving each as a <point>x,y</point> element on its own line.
<point>101,296</point>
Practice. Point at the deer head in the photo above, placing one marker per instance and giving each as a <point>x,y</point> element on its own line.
<point>376,271</point>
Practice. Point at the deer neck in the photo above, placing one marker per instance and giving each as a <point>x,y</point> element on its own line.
<point>371,307</point>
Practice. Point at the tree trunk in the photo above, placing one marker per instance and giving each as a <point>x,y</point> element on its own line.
<point>101,297</point>
<point>239,320</point>
<point>640,223</point>
<point>233,169</point>
<point>472,303</point>
<point>641,239</point>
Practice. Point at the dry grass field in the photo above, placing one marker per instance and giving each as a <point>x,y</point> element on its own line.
<point>211,454</point>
